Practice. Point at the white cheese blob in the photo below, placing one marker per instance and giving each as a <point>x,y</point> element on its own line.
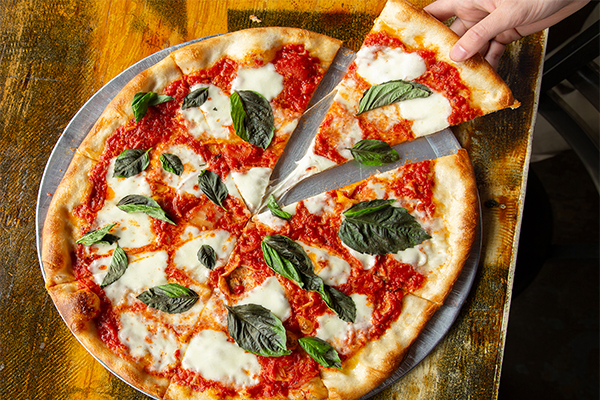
<point>186,257</point>
<point>144,338</point>
<point>211,355</point>
<point>335,331</point>
<point>267,218</point>
<point>319,204</point>
<point>216,114</point>
<point>252,185</point>
<point>271,296</point>
<point>413,256</point>
<point>193,164</point>
<point>429,114</point>
<point>133,229</point>
<point>333,270</point>
<point>264,80</point>
<point>378,64</point>
<point>143,272</point>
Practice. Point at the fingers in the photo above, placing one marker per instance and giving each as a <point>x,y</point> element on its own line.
<point>494,53</point>
<point>442,9</point>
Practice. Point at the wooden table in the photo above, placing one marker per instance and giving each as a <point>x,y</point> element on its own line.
<point>54,55</point>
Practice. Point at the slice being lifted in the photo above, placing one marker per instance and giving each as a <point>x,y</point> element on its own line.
<point>402,85</point>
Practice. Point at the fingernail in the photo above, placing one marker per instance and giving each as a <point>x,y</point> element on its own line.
<point>458,53</point>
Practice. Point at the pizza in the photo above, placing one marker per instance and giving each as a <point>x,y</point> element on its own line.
<point>172,264</point>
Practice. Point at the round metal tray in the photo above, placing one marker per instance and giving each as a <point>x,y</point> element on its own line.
<point>433,146</point>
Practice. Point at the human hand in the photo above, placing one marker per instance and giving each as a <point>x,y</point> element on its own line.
<point>487,26</point>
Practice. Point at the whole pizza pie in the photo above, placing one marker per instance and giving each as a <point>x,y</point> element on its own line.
<point>169,257</point>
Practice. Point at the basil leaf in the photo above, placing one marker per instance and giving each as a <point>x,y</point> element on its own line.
<point>376,227</point>
<point>171,163</point>
<point>213,187</point>
<point>141,102</point>
<point>321,351</point>
<point>137,203</point>
<point>374,152</point>
<point>207,256</point>
<point>341,303</point>
<point>252,117</point>
<point>257,330</point>
<point>391,92</point>
<point>287,258</point>
<point>276,210</point>
<point>118,266</point>
<point>195,98</point>
<point>131,162</point>
<point>171,298</point>
<point>98,236</point>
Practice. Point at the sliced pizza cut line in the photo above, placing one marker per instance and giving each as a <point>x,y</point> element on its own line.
<point>402,85</point>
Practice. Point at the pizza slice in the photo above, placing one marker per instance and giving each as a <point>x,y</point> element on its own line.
<point>402,85</point>
<point>247,91</point>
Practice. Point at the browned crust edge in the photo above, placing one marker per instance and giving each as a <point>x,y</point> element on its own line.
<point>79,307</point>
<point>455,196</point>
<point>406,21</point>
<point>378,360</point>
<point>251,45</point>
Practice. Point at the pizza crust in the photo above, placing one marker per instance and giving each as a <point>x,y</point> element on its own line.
<point>252,46</point>
<point>79,307</point>
<point>416,27</point>
<point>62,227</point>
<point>455,196</point>
<point>378,360</point>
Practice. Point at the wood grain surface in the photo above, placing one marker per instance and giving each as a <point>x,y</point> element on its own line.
<point>54,55</point>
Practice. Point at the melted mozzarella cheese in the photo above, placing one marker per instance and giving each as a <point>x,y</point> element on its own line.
<point>133,229</point>
<point>271,296</point>
<point>196,122</point>
<point>211,355</point>
<point>143,272</point>
<point>144,338</point>
<point>216,114</point>
<point>252,184</point>
<point>335,331</point>
<point>333,270</point>
<point>267,218</point>
<point>264,80</point>
<point>413,256</point>
<point>186,257</point>
<point>429,114</point>
<point>193,164</point>
<point>319,204</point>
<point>378,65</point>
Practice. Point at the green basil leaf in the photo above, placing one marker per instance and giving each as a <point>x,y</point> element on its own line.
<point>171,298</point>
<point>98,236</point>
<point>141,102</point>
<point>341,303</point>
<point>257,330</point>
<point>391,92</point>
<point>276,210</point>
<point>137,203</point>
<point>171,163</point>
<point>287,258</point>
<point>213,187</point>
<point>195,98</point>
<point>376,227</point>
<point>131,162</point>
<point>321,351</point>
<point>207,256</point>
<point>118,266</point>
<point>252,117</point>
<point>374,152</point>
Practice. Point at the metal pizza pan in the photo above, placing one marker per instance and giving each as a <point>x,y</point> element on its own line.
<point>429,147</point>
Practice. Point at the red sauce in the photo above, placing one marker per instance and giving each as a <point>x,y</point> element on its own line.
<point>221,75</point>
<point>416,182</point>
<point>301,75</point>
